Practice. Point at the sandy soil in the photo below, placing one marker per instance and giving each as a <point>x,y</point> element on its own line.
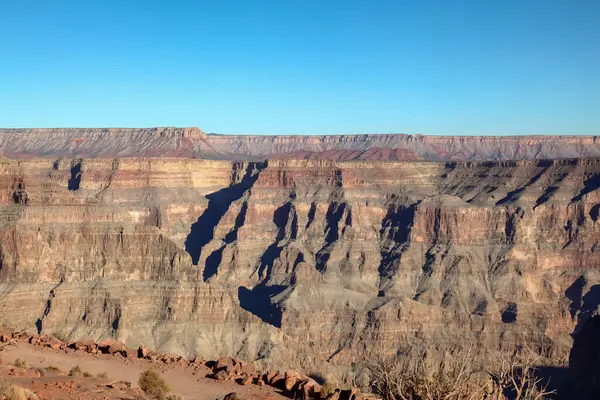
<point>181,379</point>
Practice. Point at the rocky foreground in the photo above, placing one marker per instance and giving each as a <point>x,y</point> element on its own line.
<point>49,382</point>
<point>317,265</point>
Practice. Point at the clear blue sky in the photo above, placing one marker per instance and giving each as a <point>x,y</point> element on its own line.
<point>291,66</point>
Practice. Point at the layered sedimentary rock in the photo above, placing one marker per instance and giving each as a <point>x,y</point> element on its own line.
<point>193,142</point>
<point>311,264</point>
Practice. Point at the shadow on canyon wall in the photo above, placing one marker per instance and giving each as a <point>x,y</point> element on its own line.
<point>258,302</point>
<point>202,231</point>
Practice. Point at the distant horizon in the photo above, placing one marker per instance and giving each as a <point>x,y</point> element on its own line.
<point>308,134</point>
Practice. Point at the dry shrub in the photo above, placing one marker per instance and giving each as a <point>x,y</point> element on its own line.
<point>399,379</point>
<point>13,392</point>
<point>514,376</point>
<point>75,371</point>
<point>511,377</point>
<point>102,375</point>
<point>20,363</point>
<point>153,384</point>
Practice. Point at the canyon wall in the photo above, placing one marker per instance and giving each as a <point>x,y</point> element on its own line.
<point>193,142</point>
<point>311,264</point>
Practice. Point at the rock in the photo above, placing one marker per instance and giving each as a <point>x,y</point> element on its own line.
<point>224,363</point>
<point>496,254</point>
<point>104,345</point>
<point>248,368</point>
<point>197,360</point>
<point>143,352</point>
<point>223,375</point>
<point>117,347</point>
<point>277,381</point>
<point>87,345</point>
<point>246,379</point>
<point>291,377</point>
<point>6,334</point>
<point>335,395</point>
<point>56,344</point>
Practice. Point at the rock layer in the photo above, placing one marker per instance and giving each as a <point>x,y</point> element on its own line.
<point>308,264</point>
<point>193,142</point>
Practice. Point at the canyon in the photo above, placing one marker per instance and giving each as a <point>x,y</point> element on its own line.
<point>315,253</point>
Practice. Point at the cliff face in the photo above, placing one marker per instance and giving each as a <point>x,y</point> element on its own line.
<point>192,142</point>
<point>310,264</point>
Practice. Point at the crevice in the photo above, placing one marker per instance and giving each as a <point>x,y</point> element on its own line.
<point>202,231</point>
<point>589,185</point>
<point>394,235</point>
<point>75,179</point>
<point>285,219</point>
<point>39,324</point>
<point>213,261</point>
<point>333,218</point>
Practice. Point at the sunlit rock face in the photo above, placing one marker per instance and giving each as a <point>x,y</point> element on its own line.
<point>306,263</point>
<point>193,142</point>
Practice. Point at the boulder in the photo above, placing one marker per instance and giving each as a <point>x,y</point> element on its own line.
<point>87,345</point>
<point>117,347</point>
<point>143,352</point>
<point>277,381</point>
<point>246,379</point>
<point>54,343</point>
<point>224,363</point>
<point>104,345</point>
<point>5,334</point>
<point>223,375</point>
<point>291,377</point>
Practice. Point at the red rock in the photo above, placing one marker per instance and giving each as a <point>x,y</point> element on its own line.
<point>277,380</point>
<point>224,362</point>
<point>84,345</point>
<point>56,344</point>
<point>5,334</point>
<point>117,347</point>
<point>34,339</point>
<point>197,360</point>
<point>291,377</point>
<point>248,368</point>
<point>223,375</point>
<point>270,375</point>
<point>143,352</point>
<point>104,345</point>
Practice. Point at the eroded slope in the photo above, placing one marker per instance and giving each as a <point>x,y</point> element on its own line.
<point>311,264</point>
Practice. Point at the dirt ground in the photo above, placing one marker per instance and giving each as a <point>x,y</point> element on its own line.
<point>58,385</point>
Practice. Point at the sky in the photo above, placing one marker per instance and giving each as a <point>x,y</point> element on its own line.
<point>478,67</point>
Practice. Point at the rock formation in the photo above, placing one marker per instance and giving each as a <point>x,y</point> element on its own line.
<point>193,142</point>
<point>312,264</point>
